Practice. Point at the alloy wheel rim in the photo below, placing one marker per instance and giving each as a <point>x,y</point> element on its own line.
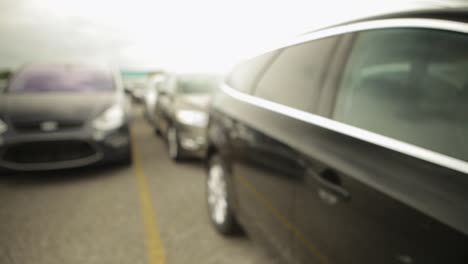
<point>217,195</point>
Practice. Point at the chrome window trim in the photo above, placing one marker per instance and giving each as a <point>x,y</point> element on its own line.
<point>374,138</point>
<point>355,132</point>
<point>429,23</point>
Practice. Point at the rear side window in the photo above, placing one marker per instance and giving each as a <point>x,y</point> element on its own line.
<point>245,74</point>
<point>295,77</point>
<point>411,85</point>
<point>62,78</point>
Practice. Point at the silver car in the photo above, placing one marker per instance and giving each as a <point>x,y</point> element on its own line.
<point>182,111</point>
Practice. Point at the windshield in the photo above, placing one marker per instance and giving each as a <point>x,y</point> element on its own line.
<point>62,78</point>
<point>192,84</point>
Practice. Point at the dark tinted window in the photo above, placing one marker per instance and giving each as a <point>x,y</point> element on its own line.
<point>62,78</point>
<point>409,84</point>
<point>294,78</point>
<point>189,84</point>
<point>246,73</point>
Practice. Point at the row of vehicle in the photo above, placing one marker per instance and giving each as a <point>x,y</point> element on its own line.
<point>58,116</point>
<point>136,88</point>
<point>346,145</point>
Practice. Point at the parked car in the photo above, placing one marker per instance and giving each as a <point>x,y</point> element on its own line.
<point>135,86</point>
<point>182,115</point>
<point>63,116</point>
<point>138,91</point>
<point>151,97</point>
<point>348,145</point>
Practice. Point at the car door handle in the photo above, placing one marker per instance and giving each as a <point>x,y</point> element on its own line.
<point>330,189</point>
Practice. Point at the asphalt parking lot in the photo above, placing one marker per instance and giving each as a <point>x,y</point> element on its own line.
<point>152,212</point>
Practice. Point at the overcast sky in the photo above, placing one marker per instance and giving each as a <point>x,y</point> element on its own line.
<point>182,35</point>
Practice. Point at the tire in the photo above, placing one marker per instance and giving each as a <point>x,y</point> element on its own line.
<point>218,199</point>
<point>157,131</point>
<point>173,144</point>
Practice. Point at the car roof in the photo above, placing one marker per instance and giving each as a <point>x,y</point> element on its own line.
<point>450,10</point>
<point>455,14</point>
<point>458,14</point>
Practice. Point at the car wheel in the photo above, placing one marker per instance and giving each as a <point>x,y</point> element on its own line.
<point>157,131</point>
<point>173,144</point>
<point>217,195</point>
<point>156,128</point>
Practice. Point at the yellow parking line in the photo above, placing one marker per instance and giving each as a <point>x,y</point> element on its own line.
<point>153,241</point>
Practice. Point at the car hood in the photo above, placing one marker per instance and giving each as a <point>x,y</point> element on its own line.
<point>197,101</point>
<point>57,107</point>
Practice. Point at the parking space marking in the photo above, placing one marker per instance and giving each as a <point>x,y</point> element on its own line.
<point>245,183</point>
<point>155,250</point>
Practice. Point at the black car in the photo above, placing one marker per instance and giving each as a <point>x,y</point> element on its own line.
<point>182,113</point>
<point>57,116</point>
<point>349,145</point>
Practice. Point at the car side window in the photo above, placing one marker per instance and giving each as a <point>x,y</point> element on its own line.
<point>295,77</point>
<point>245,74</point>
<point>410,85</point>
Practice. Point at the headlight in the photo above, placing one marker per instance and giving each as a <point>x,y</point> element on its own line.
<point>111,119</point>
<point>192,118</point>
<point>3,127</point>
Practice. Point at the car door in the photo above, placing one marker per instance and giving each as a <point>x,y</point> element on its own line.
<point>386,179</point>
<point>267,166</point>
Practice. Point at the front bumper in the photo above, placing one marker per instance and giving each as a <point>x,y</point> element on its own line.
<point>62,149</point>
<point>192,140</point>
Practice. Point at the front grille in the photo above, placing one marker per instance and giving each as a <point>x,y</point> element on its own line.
<point>51,151</point>
<point>35,126</point>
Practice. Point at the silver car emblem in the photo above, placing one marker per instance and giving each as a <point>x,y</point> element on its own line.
<point>49,126</point>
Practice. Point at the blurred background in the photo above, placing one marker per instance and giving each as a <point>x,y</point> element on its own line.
<point>177,35</point>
